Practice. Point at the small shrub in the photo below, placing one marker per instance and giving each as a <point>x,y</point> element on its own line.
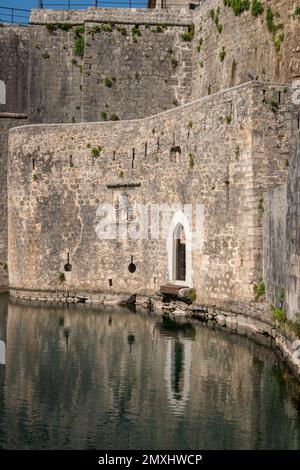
<point>297,11</point>
<point>51,27</point>
<point>158,29</point>
<point>46,55</point>
<point>219,28</point>
<point>174,62</point>
<point>74,62</point>
<point>136,30</point>
<point>259,290</point>
<point>222,54</point>
<point>192,295</point>
<point>287,162</point>
<point>121,174</point>
<point>228,119</point>
<point>278,314</point>
<point>34,177</point>
<point>237,152</point>
<point>271,25</point>
<point>96,151</point>
<point>190,124</point>
<point>261,204</point>
<point>191,161</point>
<point>175,102</point>
<point>95,29</point>
<point>122,30</point>
<point>61,277</point>
<point>199,45</point>
<point>114,117</point>
<point>79,46</point>
<point>153,131</point>
<point>188,36</point>
<point>212,14</point>
<point>103,115</point>
<point>169,50</point>
<point>109,81</point>
<point>4,265</point>
<point>238,6</point>
<point>257,8</point>
<point>79,31</point>
<point>64,26</point>
<point>108,28</point>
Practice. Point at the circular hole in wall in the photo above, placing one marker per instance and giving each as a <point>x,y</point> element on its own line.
<point>132,268</point>
<point>68,267</point>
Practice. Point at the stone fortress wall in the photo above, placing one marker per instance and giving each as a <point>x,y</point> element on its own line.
<point>59,194</point>
<point>134,64</point>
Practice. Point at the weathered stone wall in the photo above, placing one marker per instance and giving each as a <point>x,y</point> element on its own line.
<point>275,207</point>
<point>60,195</point>
<point>13,108</point>
<point>292,290</point>
<point>6,123</point>
<point>250,49</point>
<point>282,242</point>
<point>133,64</point>
<point>14,68</point>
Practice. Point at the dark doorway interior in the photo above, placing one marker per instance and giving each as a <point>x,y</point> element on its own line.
<point>180,260</point>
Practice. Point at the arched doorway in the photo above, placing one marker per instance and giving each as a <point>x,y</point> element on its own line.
<point>179,247</point>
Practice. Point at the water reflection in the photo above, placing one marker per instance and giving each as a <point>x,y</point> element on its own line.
<point>119,379</point>
<point>178,361</point>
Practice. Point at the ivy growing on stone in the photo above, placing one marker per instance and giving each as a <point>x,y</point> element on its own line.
<point>54,26</point>
<point>214,14</point>
<point>79,40</point>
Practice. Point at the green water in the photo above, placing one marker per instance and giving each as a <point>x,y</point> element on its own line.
<point>87,379</point>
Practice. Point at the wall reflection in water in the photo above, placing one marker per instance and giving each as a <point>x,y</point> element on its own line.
<point>119,379</point>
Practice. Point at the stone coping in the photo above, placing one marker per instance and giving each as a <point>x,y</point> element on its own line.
<point>174,17</point>
<point>113,124</point>
<point>241,318</point>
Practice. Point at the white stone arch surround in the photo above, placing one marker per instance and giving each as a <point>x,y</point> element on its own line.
<point>2,92</point>
<point>179,219</point>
